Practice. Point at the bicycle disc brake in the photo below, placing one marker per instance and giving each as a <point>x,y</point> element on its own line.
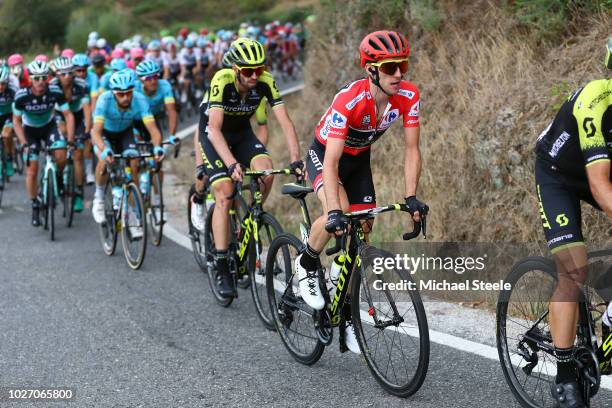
<point>589,374</point>
<point>323,328</point>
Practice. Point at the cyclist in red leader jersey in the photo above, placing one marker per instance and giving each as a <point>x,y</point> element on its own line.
<point>338,162</point>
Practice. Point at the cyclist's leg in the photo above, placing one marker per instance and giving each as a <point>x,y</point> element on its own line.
<point>79,136</point>
<point>7,140</point>
<point>250,150</point>
<point>561,220</point>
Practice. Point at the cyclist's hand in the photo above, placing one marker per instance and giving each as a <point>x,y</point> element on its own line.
<point>235,171</point>
<point>336,222</point>
<point>200,171</point>
<point>107,155</point>
<point>174,140</point>
<point>159,153</point>
<point>416,208</point>
<point>297,168</point>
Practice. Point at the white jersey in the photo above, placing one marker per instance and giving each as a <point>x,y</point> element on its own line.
<point>189,58</point>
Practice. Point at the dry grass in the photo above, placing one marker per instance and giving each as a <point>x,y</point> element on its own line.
<point>486,95</point>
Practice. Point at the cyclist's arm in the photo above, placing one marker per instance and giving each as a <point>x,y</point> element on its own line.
<point>170,105</point>
<point>215,122</point>
<point>18,127</point>
<point>87,113</point>
<point>262,120</point>
<point>333,152</point>
<point>156,137</point>
<point>69,117</point>
<point>412,160</point>
<point>280,112</point>
<point>96,135</point>
<point>262,133</point>
<point>601,187</point>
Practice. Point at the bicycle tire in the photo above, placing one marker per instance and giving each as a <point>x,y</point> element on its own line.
<point>195,236</point>
<point>108,229</point>
<point>285,316</point>
<point>517,386</point>
<point>136,258</point>
<point>209,264</point>
<point>51,203</point>
<point>241,210</point>
<point>413,317</point>
<point>157,225</point>
<point>69,192</point>
<point>269,229</point>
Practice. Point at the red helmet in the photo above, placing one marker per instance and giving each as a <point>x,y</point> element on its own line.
<point>183,32</point>
<point>381,45</point>
<point>41,58</point>
<point>204,31</point>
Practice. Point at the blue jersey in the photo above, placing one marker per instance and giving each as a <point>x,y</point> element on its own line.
<point>93,82</point>
<point>117,120</point>
<point>162,96</point>
<point>37,110</point>
<point>103,82</point>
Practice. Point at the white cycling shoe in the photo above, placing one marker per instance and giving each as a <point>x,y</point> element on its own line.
<point>350,338</point>
<point>309,286</point>
<point>90,178</point>
<point>97,210</point>
<point>134,225</point>
<point>197,216</point>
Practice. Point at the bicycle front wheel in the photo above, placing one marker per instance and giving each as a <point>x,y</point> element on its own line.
<point>69,192</point>
<point>293,319</point>
<point>524,342</point>
<point>156,209</point>
<point>50,204</point>
<point>269,229</point>
<point>211,270</point>
<point>196,236</point>
<point>133,226</point>
<point>108,229</point>
<point>391,326</point>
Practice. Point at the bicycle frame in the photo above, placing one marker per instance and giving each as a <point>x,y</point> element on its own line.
<point>51,166</point>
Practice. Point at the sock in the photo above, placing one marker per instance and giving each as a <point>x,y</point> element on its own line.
<point>78,191</point>
<point>221,260</point>
<point>566,365</point>
<point>89,166</point>
<point>310,258</point>
<point>99,194</point>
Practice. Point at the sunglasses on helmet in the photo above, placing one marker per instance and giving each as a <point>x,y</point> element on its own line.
<point>390,67</point>
<point>248,72</point>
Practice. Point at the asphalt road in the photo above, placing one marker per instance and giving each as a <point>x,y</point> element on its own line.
<point>73,317</point>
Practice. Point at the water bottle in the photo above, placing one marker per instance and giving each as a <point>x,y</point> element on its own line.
<point>607,316</point>
<point>335,269</point>
<point>144,182</point>
<point>117,192</point>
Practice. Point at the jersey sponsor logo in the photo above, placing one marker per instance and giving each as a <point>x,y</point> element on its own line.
<point>355,100</point>
<point>412,121</point>
<point>589,127</point>
<point>414,111</point>
<point>389,118</point>
<point>338,120</point>
<point>406,93</point>
<point>368,199</point>
<point>559,143</point>
<point>602,96</point>
<point>561,238</point>
<point>366,120</point>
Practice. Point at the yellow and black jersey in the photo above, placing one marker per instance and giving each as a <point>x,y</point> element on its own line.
<point>223,94</point>
<point>581,133</point>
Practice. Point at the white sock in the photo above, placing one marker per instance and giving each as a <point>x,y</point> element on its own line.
<point>99,194</point>
<point>89,166</point>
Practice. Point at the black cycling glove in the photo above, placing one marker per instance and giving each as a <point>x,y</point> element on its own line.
<point>414,205</point>
<point>336,221</point>
<point>297,165</point>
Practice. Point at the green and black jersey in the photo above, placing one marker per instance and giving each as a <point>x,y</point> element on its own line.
<point>581,133</point>
<point>223,94</point>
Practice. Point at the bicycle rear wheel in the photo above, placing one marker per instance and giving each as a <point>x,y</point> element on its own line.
<point>293,319</point>
<point>391,327</point>
<point>196,236</point>
<point>269,229</point>
<point>51,203</point>
<point>211,270</point>
<point>108,229</point>
<point>524,342</point>
<point>133,227</point>
<point>69,192</point>
<point>156,211</point>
